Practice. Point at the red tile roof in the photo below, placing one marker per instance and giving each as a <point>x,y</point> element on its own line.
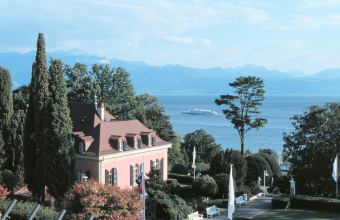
<point>87,125</point>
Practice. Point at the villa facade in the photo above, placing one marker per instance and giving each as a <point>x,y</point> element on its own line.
<point>111,151</point>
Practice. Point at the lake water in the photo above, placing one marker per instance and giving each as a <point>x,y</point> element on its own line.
<point>277,109</point>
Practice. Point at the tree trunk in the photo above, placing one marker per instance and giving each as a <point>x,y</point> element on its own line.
<point>242,141</point>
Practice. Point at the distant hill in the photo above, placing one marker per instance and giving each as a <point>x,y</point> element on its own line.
<point>177,79</point>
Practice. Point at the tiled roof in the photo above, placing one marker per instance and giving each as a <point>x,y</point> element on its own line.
<point>87,125</point>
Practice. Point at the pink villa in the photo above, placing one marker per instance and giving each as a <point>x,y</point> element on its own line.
<point>111,151</point>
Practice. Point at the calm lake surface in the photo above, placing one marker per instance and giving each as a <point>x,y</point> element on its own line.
<point>277,109</point>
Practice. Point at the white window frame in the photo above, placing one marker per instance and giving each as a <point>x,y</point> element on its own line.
<point>120,143</point>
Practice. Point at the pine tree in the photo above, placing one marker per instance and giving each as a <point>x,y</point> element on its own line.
<point>6,112</point>
<point>124,97</point>
<point>36,127</point>
<point>61,148</point>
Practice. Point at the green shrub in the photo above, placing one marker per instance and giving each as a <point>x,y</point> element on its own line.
<point>274,165</point>
<point>240,165</point>
<point>205,186</point>
<point>181,178</point>
<point>283,184</point>
<point>222,203</point>
<point>256,165</point>
<point>22,211</point>
<point>315,203</point>
<point>251,190</point>
<point>280,202</point>
<point>222,181</point>
<point>179,168</point>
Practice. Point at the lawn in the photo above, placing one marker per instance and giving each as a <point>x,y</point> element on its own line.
<point>288,214</point>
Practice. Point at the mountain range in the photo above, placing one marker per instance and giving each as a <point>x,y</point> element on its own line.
<point>178,79</point>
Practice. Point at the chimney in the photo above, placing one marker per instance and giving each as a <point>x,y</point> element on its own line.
<point>101,111</point>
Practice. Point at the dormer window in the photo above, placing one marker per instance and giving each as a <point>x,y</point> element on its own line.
<point>153,141</point>
<point>139,142</point>
<point>124,144</point>
<point>81,147</point>
<point>135,143</point>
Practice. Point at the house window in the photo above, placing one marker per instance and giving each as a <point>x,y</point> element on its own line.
<point>139,142</point>
<point>82,176</point>
<point>81,147</point>
<point>124,143</point>
<point>156,164</point>
<point>134,173</point>
<point>153,141</point>
<point>149,141</point>
<point>113,177</point>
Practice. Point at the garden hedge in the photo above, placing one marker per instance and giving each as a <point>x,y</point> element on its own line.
<point>181,178</point>
<point>307,203</point>
<point>22,210</point>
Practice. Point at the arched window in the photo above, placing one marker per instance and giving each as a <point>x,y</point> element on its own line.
<point>113,177</point>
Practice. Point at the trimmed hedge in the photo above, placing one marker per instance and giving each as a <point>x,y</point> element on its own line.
<point>222,203</point>
<point>280,202</point>
<point>307,203</point>
<point>181,178</point>
<point>22,211</point>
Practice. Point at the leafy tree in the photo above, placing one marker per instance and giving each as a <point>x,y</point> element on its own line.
<point>269,152</point>
<point>218,164</point>
<point>274,165</point>
<point>61,145</point>
<point>205,186</point>
<point>80,84</point>
<point>123,96</point>
<point>36,140</point>
<point>206,147</point>
<point>103,75</point>
<point>311,148</point>
<point>104,201</point>
<point>222,181</point>
<point>256,165</point>
<point>242,108</point>
<point>153,115</point>
<point>240,165</point>
<point>6,111</point>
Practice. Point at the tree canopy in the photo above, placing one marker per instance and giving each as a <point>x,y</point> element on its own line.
<point>311,148</point>
<point>206,147</point>
<point>242,108</point>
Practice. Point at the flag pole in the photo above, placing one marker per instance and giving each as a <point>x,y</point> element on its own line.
<point>143,190</point>
<point>337,177</point>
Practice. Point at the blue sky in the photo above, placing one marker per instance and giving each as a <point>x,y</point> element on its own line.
<point>284,35</point>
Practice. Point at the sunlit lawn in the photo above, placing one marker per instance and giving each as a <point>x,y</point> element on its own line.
<point>295,214</point>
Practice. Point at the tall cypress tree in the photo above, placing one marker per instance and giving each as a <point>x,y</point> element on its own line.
<point>6,112</point>
<point>60,177</point>
<point>36,127</point>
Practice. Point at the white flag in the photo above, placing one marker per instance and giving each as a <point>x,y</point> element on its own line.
<point>335,173</point>
<point>231,202</point>
<point>194,158</point>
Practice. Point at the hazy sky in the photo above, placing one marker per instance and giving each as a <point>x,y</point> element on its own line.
<point>284,35</point>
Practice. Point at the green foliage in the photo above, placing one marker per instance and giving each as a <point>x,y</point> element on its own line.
<point>239,165</point>
<point>311,148</point>
<point>274,165</point>
<point>251,190</point>
<point>280,202</point>
<point>205,186</point>
<point>206,147</point>
<point>153,115</point>
<point>6,111</point>
<point>161,205</point>
<point>218,164</point>
<point>9,179</point>
<point>22,211</point>
<point>283,184</point>
<point>242,108</point>
<point>181,178</point>
<point>36,138</point>
<point>123,96</point>
<point>61,145</point>
<point>104,201</point>
<point>179,169</point>
<point>269,151</point>
<point>103,75</point>
<point>80,84</point>
<point>256,165</point>
<point>222,181</point>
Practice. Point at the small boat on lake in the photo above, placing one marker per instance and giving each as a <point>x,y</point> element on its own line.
<point>200,111</point>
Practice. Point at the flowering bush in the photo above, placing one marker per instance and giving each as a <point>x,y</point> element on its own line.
<point>103,201</point>
<point>3,192</point>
